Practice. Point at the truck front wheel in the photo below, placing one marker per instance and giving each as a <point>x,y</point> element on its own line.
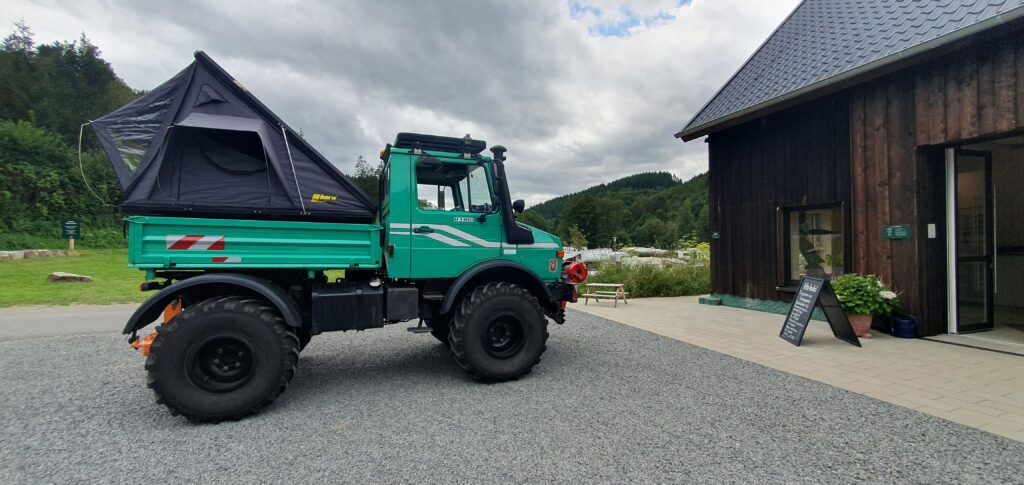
<point>498,332</point>
<point>222,359</point>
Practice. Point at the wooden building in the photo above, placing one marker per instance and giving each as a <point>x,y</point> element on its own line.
<point>880,138</point>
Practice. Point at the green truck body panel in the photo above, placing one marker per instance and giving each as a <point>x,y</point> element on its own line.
<point>418,243</point>
<point>193,243</point>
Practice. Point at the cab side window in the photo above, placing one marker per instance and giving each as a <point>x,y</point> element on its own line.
<point>456,187</point>
<point>435,197</point>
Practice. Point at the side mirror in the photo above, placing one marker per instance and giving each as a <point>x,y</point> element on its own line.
<point>518,206</point>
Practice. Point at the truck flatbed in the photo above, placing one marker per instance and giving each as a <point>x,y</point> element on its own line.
<point>191,243</point>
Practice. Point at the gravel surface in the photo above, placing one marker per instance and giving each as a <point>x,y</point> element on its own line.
<point>608,403</point>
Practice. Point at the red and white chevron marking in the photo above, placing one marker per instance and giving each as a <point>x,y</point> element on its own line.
<point>195,243</point>
<point>224,259</point>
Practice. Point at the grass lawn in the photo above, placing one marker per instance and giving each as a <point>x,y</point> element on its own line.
<point>23,282</point>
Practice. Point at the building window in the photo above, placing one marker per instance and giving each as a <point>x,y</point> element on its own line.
<point>815,242</point>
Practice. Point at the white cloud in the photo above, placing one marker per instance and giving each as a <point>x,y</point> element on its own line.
<point>578,98</point>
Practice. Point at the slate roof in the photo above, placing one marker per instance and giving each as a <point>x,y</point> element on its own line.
<point>822,39</point>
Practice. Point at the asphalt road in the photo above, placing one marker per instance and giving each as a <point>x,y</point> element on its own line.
<point>608,403</point>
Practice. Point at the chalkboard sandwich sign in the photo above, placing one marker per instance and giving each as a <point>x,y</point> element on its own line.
<point>816,292</point>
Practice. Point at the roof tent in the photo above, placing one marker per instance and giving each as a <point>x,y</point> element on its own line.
<point>201,144</point>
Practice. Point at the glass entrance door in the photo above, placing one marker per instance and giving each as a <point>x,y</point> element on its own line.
<point>975,255</point>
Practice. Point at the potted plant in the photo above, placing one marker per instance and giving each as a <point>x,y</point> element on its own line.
<point>863,298</point>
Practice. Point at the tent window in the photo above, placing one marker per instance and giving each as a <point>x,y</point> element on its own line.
<point>133,134</point>
<point>234,152</point>
<point>211,167</point>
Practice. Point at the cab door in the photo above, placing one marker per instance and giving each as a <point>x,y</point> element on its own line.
<point>455,223</point>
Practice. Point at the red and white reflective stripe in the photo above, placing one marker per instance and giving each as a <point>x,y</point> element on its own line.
<point>195,243</point>
<point>220,259</point>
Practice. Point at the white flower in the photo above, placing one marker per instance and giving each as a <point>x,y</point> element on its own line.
<point>888,295</point>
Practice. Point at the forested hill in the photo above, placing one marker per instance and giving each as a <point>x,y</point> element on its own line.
<point>647,209</point>
<point>636,185</point>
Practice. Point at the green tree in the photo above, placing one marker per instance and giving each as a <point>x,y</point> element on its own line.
<point>57,86</point>
<point>532,218</point>
<point>367,177</point>
<point>46,93</point>
<point>20,40</point>
<point>599,218</point>
<point>40,184</point>
<point>576,238</point>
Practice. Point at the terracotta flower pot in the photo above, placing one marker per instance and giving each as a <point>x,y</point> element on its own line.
<point>861,324</point>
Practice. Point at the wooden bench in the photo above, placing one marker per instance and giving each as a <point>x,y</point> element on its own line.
<point>616,292</point>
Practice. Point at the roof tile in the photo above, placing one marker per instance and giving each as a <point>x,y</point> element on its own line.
<point>825,38</point>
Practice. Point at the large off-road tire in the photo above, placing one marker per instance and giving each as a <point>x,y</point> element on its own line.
<point>222,359</point>
<point>440,327</point>
<point>498,332</point>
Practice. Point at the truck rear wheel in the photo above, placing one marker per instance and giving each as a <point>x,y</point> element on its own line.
<point>498,332</point>
<point>222,359</point>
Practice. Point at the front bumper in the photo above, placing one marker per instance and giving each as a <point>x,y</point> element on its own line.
<point>560,293</point>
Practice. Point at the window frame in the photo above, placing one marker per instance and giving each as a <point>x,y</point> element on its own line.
<point>384,184</point>
<point>783,214</point>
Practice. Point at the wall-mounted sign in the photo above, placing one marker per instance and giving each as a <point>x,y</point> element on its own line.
<point>716,235</point>
<point>71,230</point>
<point>900,231</point>
<point>816,292</point>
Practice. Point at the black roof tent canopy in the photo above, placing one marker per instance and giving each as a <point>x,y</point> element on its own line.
<point>201,145</point>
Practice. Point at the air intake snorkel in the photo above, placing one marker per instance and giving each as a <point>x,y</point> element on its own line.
<point>514,233</point>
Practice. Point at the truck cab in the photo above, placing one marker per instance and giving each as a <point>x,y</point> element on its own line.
<point>442,212</point>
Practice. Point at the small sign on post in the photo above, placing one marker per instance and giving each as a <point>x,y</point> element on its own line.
<point>71,231</point>
<point>816,292</point>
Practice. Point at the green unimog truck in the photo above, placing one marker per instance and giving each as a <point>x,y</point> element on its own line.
<point>237,223</point>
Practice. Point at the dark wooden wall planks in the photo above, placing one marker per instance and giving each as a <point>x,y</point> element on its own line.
<point>899,127</point>
<point>794,158</point>
<point>877,147</point>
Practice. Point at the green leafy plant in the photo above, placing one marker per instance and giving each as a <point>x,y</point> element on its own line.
<point>865,295</point>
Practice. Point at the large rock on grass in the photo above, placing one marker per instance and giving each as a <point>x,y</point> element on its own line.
<point>62,277</point>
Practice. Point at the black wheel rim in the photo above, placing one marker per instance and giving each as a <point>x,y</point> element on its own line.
<point>503,337</point>
<point>221,363</point>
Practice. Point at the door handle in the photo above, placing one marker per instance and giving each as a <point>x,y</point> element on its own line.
<point>422,230</point>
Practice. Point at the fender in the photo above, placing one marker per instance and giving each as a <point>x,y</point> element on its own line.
<point>273,293</point>
<point>519,274</point>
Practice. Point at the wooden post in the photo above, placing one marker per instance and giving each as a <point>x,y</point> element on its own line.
<point>71,243</point>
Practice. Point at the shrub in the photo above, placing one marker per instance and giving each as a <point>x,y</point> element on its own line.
<point>645,281</point>
<point>864,295</point>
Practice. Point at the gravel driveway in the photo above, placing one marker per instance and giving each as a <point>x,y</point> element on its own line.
<point>608,403</point>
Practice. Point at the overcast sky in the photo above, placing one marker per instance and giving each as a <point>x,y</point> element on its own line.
<point>580,92</point>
